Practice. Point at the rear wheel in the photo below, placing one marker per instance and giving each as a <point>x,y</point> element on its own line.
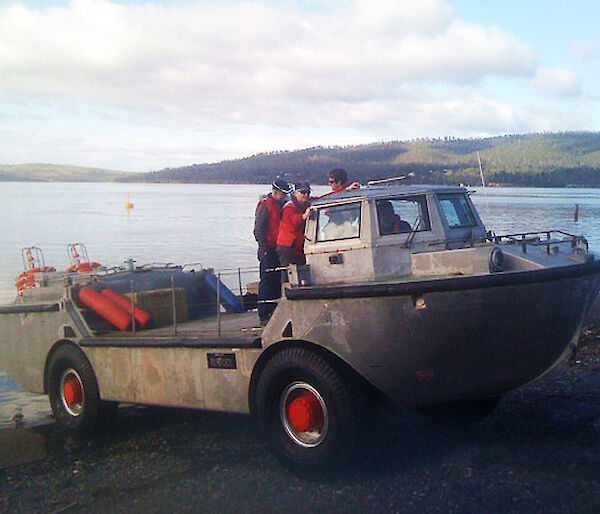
<point>305,409</point>
<point>73,390</point>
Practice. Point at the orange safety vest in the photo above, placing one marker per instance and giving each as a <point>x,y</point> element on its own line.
<point>274,208</point>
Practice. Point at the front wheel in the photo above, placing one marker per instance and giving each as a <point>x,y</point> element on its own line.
<point>73,390</point>
<point>304,407</point>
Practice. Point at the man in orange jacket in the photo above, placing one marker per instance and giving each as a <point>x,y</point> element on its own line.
<point>290,239</point>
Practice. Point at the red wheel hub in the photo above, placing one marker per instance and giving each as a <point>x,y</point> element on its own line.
<point>305,413</point>
<point>72,391</point>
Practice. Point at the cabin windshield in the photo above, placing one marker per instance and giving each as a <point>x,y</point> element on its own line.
<point>339,222</point>
<point>456,210</point>
<point>402,215</point>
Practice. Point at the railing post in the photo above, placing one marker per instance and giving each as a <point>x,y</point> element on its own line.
<point>218,304</point>
<point>132,309</point>
<point>174,304</point>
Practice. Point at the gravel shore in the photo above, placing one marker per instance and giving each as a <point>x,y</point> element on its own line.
<point>538,452</point>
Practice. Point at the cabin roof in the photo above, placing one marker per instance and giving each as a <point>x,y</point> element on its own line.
<point>381,191</point>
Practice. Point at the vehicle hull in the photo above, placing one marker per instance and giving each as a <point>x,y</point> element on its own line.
<point>28,330</point>
<point>450,342</point>
<point>419,342</point>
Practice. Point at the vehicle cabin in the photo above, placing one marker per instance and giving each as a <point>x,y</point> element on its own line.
<point>387,232</point>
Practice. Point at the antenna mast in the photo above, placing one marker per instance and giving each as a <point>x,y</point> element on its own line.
<point>480,169</point>
<point>388,180</point>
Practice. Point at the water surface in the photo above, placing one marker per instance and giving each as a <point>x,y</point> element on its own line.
<point>210,224</point>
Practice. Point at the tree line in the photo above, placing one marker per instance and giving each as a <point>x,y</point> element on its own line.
<point>540,160</point>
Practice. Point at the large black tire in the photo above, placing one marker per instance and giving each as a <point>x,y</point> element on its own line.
<point>305,411</point>
<point>461,413</point>
<point>73,390</point>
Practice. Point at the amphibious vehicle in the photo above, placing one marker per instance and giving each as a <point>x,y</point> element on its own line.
<point>405,297</point>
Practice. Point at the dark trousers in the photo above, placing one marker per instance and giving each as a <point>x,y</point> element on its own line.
<point>270,283</point>
<point>287,256</point>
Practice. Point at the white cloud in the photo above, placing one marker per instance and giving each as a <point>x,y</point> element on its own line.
<point>204,54</point>
<point>557,82</point>
<point>140,85</point>
<point>587,51</point>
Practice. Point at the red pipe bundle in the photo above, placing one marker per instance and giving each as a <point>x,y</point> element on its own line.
<point>141,316</point>
<point>105,308</point>
<point>113,307</point>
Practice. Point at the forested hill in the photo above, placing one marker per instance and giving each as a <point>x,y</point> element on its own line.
<point>553,160</point>
<point>556,160</point>
<point>38,172</point>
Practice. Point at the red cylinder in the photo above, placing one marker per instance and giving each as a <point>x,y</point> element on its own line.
<point>104,307</point>
<point>141,316</point>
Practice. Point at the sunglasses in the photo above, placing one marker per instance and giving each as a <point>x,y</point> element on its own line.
<point>332,181</point>
<point>304,192</point>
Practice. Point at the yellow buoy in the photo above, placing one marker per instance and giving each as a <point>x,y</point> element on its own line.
<point>128,204</point>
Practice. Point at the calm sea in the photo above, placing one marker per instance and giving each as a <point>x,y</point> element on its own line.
<point>209,224</point>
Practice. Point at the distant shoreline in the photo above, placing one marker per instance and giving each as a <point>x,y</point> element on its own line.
<point>469,186</point>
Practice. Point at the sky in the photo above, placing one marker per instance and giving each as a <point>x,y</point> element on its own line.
<point>143,85</point>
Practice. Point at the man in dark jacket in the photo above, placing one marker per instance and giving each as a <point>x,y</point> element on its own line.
<point>266,227</point>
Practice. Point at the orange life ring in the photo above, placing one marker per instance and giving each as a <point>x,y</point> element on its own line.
<point>37,270</point>
<point>25,283</point>
<point>84,267</point>
<point>26,279</point>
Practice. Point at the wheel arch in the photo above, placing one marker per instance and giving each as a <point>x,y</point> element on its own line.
<point>336,361</point>
<point>59,344</point>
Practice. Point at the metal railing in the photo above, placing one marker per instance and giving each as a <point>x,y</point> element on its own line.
<point>223,284</point>
<point>545,238</point>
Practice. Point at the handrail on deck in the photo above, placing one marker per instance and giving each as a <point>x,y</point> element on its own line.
<point>538,238</point>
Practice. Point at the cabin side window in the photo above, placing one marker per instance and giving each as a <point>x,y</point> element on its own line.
<point>457,211</point>
<point>402,215</point>
<point>338,222</point>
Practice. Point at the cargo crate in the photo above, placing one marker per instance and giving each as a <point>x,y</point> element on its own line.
<point>159,303</point>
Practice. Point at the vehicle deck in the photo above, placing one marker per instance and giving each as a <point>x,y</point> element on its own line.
<point>236,330</point>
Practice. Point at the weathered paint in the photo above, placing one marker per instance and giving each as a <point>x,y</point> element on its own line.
<point>477,343</point>
<point>27,338</point>
<point>173,376</point>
